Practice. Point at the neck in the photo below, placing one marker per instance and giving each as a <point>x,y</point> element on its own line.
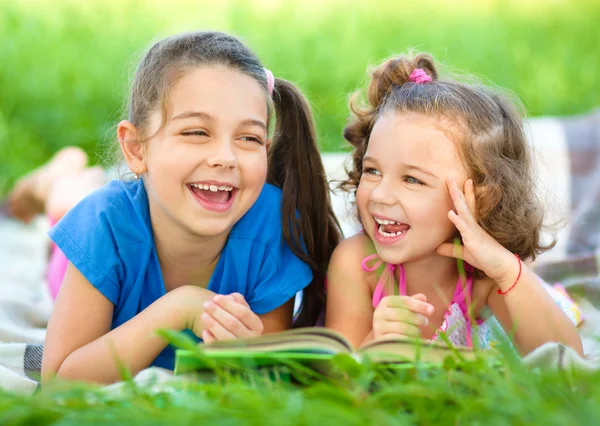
<point>431,274</point>
<point>185,259</point>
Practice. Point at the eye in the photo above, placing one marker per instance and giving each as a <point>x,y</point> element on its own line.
<point>413,181</point>
<point>371,171</point>
<point>195,133</point>
<point>252,139</point>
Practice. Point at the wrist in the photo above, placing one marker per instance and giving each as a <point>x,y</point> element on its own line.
<point>186,303</point>
<point>512,274</point>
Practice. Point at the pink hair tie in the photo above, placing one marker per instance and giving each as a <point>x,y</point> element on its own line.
<point>419,76</point>
<point>270,81</point>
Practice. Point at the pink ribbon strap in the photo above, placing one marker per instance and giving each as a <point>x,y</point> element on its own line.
<point>270,81</point>
<point>392,272</point>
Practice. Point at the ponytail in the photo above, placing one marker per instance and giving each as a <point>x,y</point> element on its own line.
<point>294,165</point>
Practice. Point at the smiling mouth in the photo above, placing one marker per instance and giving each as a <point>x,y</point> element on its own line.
<point>213,193</point>
<point>390,228</point>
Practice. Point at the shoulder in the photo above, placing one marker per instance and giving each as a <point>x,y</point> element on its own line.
<point>104,222</point>
<point>107,236</point>
<point>117,195</point>
<point>116,198</point>
<point>352,249</point>
<point>346,260</point>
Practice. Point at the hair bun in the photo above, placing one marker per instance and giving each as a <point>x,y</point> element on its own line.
<point>425,62</point>
<point>396,72</point>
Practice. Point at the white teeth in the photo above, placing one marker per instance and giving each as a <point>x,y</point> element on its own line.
<point>388,234</point>
<point>386,222</point>
<point>212,188</point>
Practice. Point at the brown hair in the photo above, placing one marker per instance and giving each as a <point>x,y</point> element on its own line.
<point>491,143</point>
<point>294,162</point>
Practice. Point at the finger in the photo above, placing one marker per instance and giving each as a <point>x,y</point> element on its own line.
<point>226,320</point>
<point>460,223</point>
<point>239,299</point>
<point>403,329</point>
<point>456,251</point>
<point>470,196</point>
<point>401,315</point>
<point>407,302</point>
<point>420,296</point>
<point>221,333</point>
<point>460,202</point>
<point>242,312</point>
<point>208,337</point>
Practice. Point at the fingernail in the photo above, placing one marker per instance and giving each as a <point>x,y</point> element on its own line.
<point>430,309</point>
<point>217,297</point>
<point>207,304</point>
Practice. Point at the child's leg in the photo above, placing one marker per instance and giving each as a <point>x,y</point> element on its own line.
<point>62,196</point>
<point>30,193</point>
<point>67,191</point>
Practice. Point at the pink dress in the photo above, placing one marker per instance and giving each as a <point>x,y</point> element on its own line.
<point>57,267</point>
<point>458,324</point>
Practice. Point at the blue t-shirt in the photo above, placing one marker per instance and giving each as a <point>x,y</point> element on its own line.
<point>108,238</point>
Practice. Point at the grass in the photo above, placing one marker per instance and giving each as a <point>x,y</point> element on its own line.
<point>64,70</point>
<point>64,66</point>
<point>477,394</point>
<point>488,390</point>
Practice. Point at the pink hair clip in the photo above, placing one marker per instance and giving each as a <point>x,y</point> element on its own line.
<point>270,81</point>
<point>419,76</point>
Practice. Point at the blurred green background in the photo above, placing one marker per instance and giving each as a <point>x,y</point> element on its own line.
<point>65,65</point>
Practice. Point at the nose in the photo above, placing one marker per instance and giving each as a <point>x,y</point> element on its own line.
<point>223,155</point>
<point>383,194</point>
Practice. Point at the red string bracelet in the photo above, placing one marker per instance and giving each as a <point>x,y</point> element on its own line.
<point>516,281</point>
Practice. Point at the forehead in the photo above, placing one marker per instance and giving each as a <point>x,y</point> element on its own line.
<point>219,91</point>
<point>413,138</point>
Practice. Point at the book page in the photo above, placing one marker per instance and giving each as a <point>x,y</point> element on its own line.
<point>309,339</point>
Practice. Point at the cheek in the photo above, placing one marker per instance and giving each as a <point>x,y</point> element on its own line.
<point>363,194</point>
<point>428,210</point>
<point>254,167</point>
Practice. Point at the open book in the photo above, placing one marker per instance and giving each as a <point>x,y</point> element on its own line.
<point>313,346</point>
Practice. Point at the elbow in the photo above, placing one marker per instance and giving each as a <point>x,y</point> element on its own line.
<point>49,368</point>
<point>576,344</point>
<point>57,370</point>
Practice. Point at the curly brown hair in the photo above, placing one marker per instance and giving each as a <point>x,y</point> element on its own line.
<point>492,144</point>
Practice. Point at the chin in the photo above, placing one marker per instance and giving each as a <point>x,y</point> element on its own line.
<point>392,255</point>
<point>211,229</point>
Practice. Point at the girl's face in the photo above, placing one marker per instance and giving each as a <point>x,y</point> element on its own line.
<point>208,165</point>
<point>402,196</point>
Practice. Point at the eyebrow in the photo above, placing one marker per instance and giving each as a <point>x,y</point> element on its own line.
<point>408,166</point>
<point>193,114</point>
<point>208,117</point>
<point>421,169</point>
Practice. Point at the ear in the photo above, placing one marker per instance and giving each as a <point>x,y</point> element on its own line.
<point>132,149</point>
<point>268,144</point>
<point>487,197</point>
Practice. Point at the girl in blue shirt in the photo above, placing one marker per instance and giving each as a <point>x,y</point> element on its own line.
<point>198,240</point>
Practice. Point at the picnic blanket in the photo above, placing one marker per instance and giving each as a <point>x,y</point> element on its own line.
<point>569,154</point>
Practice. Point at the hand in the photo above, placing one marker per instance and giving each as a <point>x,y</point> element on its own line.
<point>479,249</point>
<point>400,316</point>
<point>229,317</point>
